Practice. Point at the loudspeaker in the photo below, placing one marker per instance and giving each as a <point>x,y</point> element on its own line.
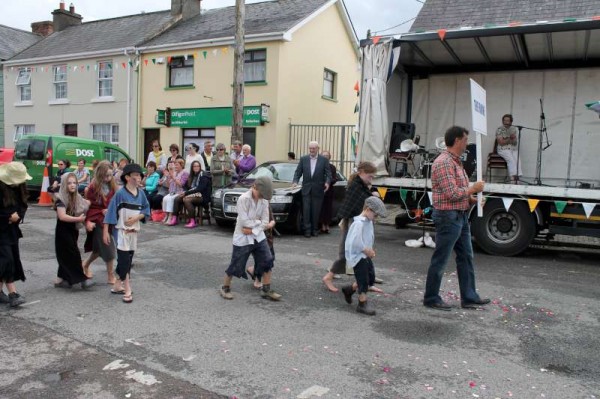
<point>400,132</point>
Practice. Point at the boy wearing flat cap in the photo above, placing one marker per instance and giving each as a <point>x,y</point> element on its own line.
<point>359,253</point>
<point>249,239</point>
<point>126,210</point>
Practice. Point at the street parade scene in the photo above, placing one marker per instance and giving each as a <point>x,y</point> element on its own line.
<point>300,199</point>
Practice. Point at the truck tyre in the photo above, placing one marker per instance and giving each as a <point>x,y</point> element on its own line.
<point>501,232</point>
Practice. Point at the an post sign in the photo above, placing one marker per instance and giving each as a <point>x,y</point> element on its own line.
<point>207,117</point>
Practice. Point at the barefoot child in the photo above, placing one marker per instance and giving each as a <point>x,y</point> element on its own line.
<point>249,239</point>
<point>126,210</point>
<point>359,252</point>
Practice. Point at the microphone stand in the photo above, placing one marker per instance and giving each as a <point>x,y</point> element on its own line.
<point>519,148</point>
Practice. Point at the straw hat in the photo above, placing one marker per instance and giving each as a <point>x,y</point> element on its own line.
<point>14,173</point>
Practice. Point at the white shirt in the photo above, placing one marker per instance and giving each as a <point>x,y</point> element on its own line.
<point>252,214</point>
<point>360,237</point>
<point>191,158</point>
<point>313,165</point>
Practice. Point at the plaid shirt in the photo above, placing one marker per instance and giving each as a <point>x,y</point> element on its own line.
<point>449,183</point>
<point>354,199</point>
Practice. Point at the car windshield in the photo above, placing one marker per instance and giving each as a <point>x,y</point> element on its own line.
<point>276,171</point>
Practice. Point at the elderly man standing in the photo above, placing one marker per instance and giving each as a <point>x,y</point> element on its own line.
<point>207,155</point>
<point>452,198</point>
<point>316,178</point>
<point>246,162</point>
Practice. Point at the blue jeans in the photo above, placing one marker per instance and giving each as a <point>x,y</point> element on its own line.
<point>452,232</point>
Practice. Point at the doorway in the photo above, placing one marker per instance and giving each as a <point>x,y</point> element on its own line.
<point>149,136</point>
<point>250,138</point>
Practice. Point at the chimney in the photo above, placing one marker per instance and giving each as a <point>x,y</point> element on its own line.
<point>62,18</point>
<point>185,9</point>
<point>42,28</point>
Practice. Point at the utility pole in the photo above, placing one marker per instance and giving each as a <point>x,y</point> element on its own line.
<point>237,132</point>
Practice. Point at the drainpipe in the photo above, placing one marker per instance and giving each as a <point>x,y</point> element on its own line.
<point>128,123</point>
<point>139,154</point>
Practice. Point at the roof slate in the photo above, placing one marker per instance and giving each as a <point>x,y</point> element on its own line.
<point>142,29</point>
<point>105,34</point>
<point>14,40</point>
<point>451,14</point>
<point>266,17</point>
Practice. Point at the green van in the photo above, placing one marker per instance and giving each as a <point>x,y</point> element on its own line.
<point>37,151</point>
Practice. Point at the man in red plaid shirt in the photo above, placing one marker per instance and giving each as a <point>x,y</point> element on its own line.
<point>452,199</point>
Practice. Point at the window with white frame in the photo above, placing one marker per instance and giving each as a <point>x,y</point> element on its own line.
<point>105,79</point>
<point>21,130</point>
<point>255,66</point>
<point>107,132</point>
<point>329,83</point>
<point>24,84</point>
<point>60,81</point>
<point>181,71</point>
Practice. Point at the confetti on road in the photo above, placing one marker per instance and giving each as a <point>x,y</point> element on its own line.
<point>115,365</point>
<point>139,376</point>
<point>188,358</point>
<point>315,390</point>
<point>132,341</point>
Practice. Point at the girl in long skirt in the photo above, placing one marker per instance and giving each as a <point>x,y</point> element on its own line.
<point>70,209</point>
<point>99,193</point>
<point>13,205</point>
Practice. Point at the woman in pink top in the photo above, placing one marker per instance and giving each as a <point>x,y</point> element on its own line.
<point>176,181</point>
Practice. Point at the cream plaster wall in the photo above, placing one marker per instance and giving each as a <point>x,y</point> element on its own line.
<point>293,89</point>
<point>81,108</point>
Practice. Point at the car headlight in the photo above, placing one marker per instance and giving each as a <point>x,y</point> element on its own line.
<point>218,194</point>
<point>282,199</point>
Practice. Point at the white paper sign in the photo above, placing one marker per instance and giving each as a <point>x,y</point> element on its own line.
<point>479,118</point>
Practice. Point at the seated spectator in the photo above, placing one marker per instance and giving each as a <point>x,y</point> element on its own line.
<point>83,176</point>
<point>162,189</point>
<point>176,180</point>
<point>150,181</point>
<point>197,194</point>
<point>63,167</point>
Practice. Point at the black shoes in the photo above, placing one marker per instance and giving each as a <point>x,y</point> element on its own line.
<point>315,234</point>
<point>348,291</point>
<point>87,284</point>
<point>365,308</point>
<point>474,304</point>
<point>14,300</point>
<point>307,235</point>
<point>3,297</point>
<point>439,306</point>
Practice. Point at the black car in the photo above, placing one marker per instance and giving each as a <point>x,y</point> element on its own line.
<point>286,202</point>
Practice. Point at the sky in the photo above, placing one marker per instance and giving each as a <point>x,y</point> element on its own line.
<point>376,15</point>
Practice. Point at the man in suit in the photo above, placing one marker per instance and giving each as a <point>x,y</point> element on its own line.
<point>316,177</point>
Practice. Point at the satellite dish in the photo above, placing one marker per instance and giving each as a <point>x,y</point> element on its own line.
<point>408,146</point>
<point>440,144</point>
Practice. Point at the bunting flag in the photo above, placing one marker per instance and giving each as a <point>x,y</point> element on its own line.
<point>403,193</point>
<point>356,108</point>
<point>185,57</point>
<point>225,50</point>
<point>382,191</point>
<point>560,206</point>
<point>533,203</point>
<point>154,61</point>
<point>169,58</point>
<point>507,203</point>
<point>353,144</point>
<point>442,33</point>
<point>130,63</point>
<point>146,62</point>
<point>124,65</point>
<point>356,87</point>
<point>588,208</point>
<point>430,196</point>
<point>376,39</point>
<point>204,53</point>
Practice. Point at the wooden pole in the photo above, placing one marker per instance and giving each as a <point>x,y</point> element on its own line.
<point>237,132</point>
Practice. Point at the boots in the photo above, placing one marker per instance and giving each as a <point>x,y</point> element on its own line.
<point>173,221</point>
<point>191,224</point>
<point>348,291</point>
<point>14,300</point>
<point>365,308</point>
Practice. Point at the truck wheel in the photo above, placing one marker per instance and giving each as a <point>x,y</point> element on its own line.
<point>504,233</point>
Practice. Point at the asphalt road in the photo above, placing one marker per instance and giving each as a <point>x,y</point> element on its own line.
<point>179,339</point>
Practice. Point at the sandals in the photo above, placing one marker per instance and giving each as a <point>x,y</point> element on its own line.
<point>117,292</point>
<point>128,298</point>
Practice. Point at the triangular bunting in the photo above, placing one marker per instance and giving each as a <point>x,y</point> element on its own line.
<point>204,53</point>
<point>560,206</point>
<point>507,203</point>
<point>225,50</point>
<point>442,33</point>
<point>75,68</point>
<point>356,109</point>
<point>169,58</point>
<point>146,62</point>
<point>430,196</point>
<point>185,57</point>
<point>533,203</point>
<point>214,52</point>
<point>403,193</point>
<point>376,39</point>
<point>130,63</point>
<point>382,192</point>
<point>356,87</point>
<point>124,65</point>
<point>154,60</point>
<point>588,208</point>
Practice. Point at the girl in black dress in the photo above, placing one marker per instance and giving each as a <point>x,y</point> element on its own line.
<point>13,205</point>
<point>70,209</point>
